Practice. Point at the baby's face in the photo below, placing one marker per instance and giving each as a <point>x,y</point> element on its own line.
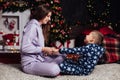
<point>88,38</point>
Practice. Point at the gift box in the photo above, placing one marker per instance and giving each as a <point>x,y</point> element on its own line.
<point>67,44</point>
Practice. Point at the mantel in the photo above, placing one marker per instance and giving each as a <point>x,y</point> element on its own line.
<point>8,51</point>
<point>9,57</point>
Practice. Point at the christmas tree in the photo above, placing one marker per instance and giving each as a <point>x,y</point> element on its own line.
<point>98,15</point>
<point>59,30</point>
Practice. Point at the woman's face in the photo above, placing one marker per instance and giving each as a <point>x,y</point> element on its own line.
<point>46,19</point>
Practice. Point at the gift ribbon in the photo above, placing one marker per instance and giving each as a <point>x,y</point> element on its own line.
<point>58,47</point>
<point>68,43</point>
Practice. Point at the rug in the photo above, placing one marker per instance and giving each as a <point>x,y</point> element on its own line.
<point>101,72</point>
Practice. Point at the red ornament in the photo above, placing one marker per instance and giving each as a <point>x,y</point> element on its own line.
<point>57,1</point>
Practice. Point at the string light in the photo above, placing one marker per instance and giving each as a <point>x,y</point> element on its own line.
<point>101,17</point>
<point>58,23</point>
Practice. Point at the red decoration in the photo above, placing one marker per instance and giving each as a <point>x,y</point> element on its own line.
<point>9,39</point>
<point>57,1</point>
<point>106,30</point>
<point>12,24</point>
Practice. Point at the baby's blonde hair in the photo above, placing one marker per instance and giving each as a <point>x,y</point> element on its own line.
<point>97,36</point>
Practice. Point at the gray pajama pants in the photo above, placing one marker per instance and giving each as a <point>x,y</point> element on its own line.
<point>49,67</point>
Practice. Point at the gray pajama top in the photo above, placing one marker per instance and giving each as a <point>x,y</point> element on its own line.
<point>32,43</point>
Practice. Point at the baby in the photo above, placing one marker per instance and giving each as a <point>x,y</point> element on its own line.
<point>89,55</point>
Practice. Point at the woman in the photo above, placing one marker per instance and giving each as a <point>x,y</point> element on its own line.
<point>33,51</point>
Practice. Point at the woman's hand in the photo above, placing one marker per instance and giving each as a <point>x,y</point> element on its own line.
<point>50,51</point>
<point>47,50</point>
<point>55,51</point>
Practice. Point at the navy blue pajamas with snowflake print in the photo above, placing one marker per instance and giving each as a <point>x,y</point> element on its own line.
<point>89,56</point>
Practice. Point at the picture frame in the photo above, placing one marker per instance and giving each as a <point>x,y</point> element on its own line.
<point>10,24</point>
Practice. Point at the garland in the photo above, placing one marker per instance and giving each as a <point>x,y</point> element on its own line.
<point>18,5</point>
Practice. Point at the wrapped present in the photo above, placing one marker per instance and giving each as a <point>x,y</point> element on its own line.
<point>57,45</point>
<point>67,44</point>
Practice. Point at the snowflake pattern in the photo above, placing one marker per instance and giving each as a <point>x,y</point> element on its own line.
<point>90,54</point>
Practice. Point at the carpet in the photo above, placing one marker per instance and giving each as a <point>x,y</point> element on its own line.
<point>101,72</point>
